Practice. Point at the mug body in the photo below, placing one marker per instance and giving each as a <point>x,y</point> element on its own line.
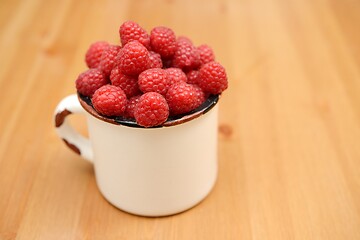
<point>156,171</point>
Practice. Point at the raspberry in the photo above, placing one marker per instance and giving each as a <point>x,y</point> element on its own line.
<point>163,41</point>
<point>109,100</point>
<point>93,54</point>
<point>89,81</point>
<point>155,60</point>
<point>206,54</point>
<point>186,56</point>
<point>127,83</point>
<point>108,59</point>
<point>183,97</point>
<point>130,107</point>
<point>130,31</point>
<point>154,80</point>
<point>175,75</point>
<point>151,110</point>
<point>200,96</point>
<point>133,58</point>
<point>212,78</point>
<point>192,76</point>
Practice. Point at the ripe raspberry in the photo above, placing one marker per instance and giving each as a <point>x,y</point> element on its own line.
<point>201,97</point>
<point>127,83</point>
<point>212,78</point>
<point>130,31</point>
<point>109,100</point>
<point>186,56</point>
<point>183,97</point>
<point>206,54</point>
<point>108,59</point>
<point>130,107</point>
<point>154,80</point>
<point>93,54</point>
<point>133,58</point>
<point>163,41</point>
<point>176,75</point>
<point>192,76</point>
<point>155,60</point>
<point>151,110</point>
<point>89,81</point>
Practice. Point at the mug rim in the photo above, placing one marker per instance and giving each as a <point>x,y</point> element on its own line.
<point>209,103</point>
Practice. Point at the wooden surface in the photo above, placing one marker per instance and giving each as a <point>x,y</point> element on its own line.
<point>289,134</point>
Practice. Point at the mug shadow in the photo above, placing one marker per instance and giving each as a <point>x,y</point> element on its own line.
<point>86,169</point>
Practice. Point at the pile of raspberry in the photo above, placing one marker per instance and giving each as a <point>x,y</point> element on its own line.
<point>149,77</point>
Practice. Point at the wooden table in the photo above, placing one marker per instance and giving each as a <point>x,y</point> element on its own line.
<point>289,131</point>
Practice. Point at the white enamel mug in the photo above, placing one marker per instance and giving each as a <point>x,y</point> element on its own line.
<point>147,171</point>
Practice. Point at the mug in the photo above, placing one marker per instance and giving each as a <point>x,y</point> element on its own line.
<point>155,171</point>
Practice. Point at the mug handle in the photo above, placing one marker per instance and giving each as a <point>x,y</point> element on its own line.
<point>76,142</point>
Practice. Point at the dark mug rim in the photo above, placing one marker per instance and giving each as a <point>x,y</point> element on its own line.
<point>209,103</point>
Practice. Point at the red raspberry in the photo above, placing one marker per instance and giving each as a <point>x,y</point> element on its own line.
<point>109,100</point>
<point>133,58</point>
<point>130,107</point>
<point>212,78</point>
<point>93,54</point>
<point>175,75</point>
<point>155,60</point>
<point>192,76</point>
<point>163,41</point>
<point>127,83</point>
<point>89,81</point>
<point>186,56</point>
<point>201,97</point>
<point>108,59</point>
<point>183,97</point>
<point>206,54</point>
<point>151,110</point>
<point>130,31</point>
<point>154,80</point>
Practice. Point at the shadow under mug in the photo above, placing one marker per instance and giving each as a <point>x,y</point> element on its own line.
<point>147,171</point>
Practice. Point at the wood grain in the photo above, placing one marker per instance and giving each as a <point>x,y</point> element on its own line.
<point>289,133</point>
